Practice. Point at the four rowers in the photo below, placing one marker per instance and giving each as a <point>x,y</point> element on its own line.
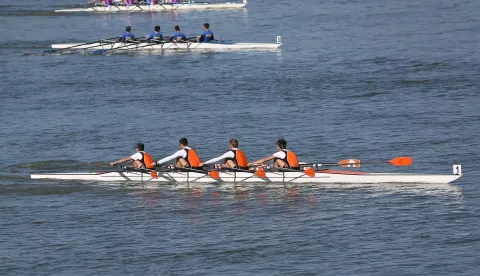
<point>187,157</point>
<point>178,36</point>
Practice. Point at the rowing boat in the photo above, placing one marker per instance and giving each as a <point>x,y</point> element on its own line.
<point>187,5</point>
<point>145,46</point>
<point>319,177</point>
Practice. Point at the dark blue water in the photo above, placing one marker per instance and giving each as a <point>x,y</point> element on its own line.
<point>354,79</point>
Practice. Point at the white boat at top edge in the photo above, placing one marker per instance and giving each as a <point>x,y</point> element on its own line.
<point>145,46</point>
<point>320,177</point>
<point>160,7</point>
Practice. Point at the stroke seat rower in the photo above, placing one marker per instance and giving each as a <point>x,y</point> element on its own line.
<point>283,158</point>
<point>141,159</point>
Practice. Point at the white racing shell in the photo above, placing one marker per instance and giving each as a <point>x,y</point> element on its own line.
<point>146,46</point>
<point>321,176</point>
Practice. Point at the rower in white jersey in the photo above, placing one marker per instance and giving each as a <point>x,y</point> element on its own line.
<point>283,158</point>
<point>186,157</point>
<point>140,159</point>
<point>234,158</point>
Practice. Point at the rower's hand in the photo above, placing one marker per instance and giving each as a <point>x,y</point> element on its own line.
<point>201,164</point>
<point>112,163</point>
<point>154,164</point>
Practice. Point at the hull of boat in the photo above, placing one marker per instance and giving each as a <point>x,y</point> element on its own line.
<point>243,177</point>
<point>166,46</point>
<point>157,8</point>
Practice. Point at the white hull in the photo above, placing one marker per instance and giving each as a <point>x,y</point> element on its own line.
<point>108,45</point>
<point>244,177</point>
<point>158,7</point>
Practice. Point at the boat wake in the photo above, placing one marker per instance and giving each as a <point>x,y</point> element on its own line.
<point>61,165</point>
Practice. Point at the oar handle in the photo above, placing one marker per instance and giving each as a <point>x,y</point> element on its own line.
<point>131,168</point>
<point>183,169</point>
<point>226,169</point>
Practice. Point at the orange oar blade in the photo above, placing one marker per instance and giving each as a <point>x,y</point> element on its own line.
<point>310,172</point>
<point>260,173</point>
<point>214,174</point>
<point>154,175</point>
<point>349,163</point>
<point>401,161</point>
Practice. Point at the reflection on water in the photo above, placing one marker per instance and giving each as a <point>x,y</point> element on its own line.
<point>245,16</point>
<point>264,194</point>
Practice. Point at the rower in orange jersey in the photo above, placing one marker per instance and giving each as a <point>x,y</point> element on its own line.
<point>141,159</point>
<point>186,157</point>
<point>234,158</point>
<point>283,158</point>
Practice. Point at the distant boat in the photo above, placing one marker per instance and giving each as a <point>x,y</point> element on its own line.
<point>110,45</point>
<point>157,7</point>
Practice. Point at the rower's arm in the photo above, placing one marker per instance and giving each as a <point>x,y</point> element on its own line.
<point>228,154</point>
<point>121,161</point>
<point>173,156</point>
<point>263,160</point>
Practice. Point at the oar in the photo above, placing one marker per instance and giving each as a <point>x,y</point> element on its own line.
<point>212,173</point>
<point>400,161</point>
<point>188,40</point>
<point>149,43</point>
<point>127,44</point>
<point>260,173</point>
<point>153,173</point>
<point>51,51</point>
<point>308,171</point>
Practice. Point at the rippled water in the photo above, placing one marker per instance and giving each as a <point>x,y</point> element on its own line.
<point>354,79</point>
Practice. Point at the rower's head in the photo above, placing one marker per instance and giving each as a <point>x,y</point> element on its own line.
<point>140,147</point>
<point>177,28</point>
<point>157,28</point>
<point>183,142</point>
<point>281,143</point>
<point>233,143</point>
<point>128,29</point>
<point>206,26</point>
